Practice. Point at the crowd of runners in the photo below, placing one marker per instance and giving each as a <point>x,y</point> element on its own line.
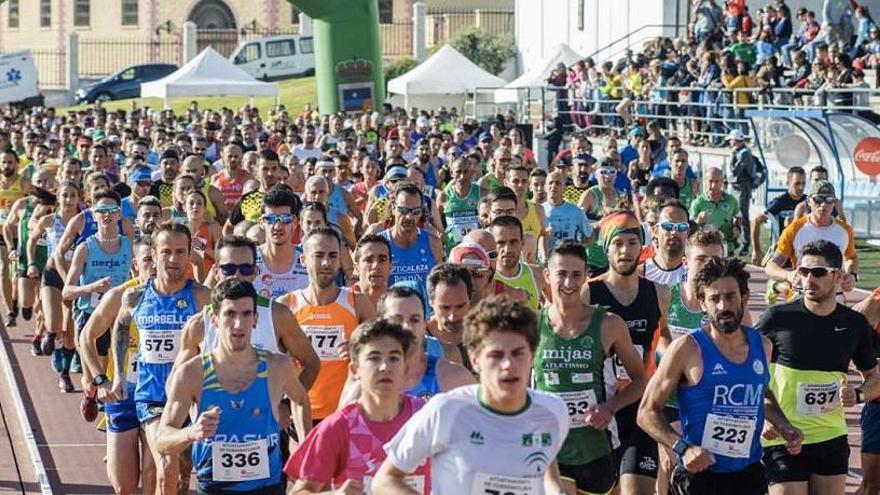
<point>394,303</point>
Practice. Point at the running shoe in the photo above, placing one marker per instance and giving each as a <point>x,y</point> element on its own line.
<point>10,320</point>
<point>47,344</point>
<point>58,360</point>
<point>88,407</point>
<point>76,364</point>
<point>36,349</point>
<point>65,383</point>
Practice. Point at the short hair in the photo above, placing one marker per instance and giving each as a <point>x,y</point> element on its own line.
<point>406,188</point>
<point>718,268</point>
<point>231,290</point>
<point>110,194</point>
<point>827,250</point>
<point>449,274</point>
<point>325,230</point>
<point>149,201</point>
<point>507,221</point>
<point>370,239</point>
<point>795,170</point>
<point>499,314</point>
<point>314,206</point>
<point>199,193</point>
<point>502,193</point>
<point>703,238</point>
<point>236,241</point>
<point>518,168</point>
<point>399,292</point>
<point>375,329</point>
<point>280,196</point>
<point>658,182</point>
<point>820,169</point>
<point>673,203</point>
<point>172,228</point>
<point>569,248</point>
<point>538,172</point>
<point>269,155</point>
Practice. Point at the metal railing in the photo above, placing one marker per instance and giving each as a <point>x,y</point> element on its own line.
<point>627,40</point>
<point>51,67</point>
<point>103,56</point>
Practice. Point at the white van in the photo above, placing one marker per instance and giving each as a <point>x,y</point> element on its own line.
<point>276,57</point>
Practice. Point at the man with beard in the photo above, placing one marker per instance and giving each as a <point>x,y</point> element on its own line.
<point>814,341</point>
<point>575,339</point>
<point>232,178</point>
<point>280,269</point>
<point>372,262</point>
<point>149,213</point>
<point>307,149</point>
<point>719,374</point>
<point>13,186</point>
<point>328,314</point>
<point>642,304</point>
<point>423,162</point>
<point>459,201</point>
<point>501,159</point>
<point>449,294</point>
<point>510,270</point>
<point>169,167</point>
<point>582,168</point>
<point>250,206</point>
<point>671,232</point>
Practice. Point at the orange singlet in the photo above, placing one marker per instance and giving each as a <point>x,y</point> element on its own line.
<point>230,189</point>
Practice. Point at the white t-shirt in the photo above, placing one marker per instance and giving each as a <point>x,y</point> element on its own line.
<point>302,153</point>
<point>475,450</point>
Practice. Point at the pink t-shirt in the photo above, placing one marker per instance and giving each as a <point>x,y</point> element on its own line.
<point>348,446</point>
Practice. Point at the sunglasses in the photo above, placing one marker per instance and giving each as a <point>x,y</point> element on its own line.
<point>417,211</point>
<point>245,269</point>
<point>821,198</point>
<point>815,271</point>
<point>607,171</point>
<point>673,226</point>
<point>272,219</point>
<point>107,209</point>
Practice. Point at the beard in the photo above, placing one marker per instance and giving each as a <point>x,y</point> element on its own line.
<point>8,172</point>
<point>621,267</point>
<point>731,321</point>
<point>583,177</point>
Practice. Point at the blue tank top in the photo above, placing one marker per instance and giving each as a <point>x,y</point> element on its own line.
<point>159,321</point>
<point>53,236</point>
<point>412,264</point>
<point>724,412</point>
<point>103,264</point>
<point>90,227</point>
<point>429,386</point>
<point>336,204</point>
<point>247,438</point>
<point>433,347</point>
<point>128,209</point>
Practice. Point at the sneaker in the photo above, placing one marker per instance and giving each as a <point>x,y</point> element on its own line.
<point>76,364</point>
<point>88,407</point>
<point>36,349</point>
<point>47,344</point>
<point>10,320</point>
<point>58,360</point>
<point>65,384</point>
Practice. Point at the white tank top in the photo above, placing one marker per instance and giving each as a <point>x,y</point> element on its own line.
<point>263,336</point>
<point>274,285</point>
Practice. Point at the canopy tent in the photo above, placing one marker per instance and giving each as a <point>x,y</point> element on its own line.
<point>537,77</point>
<point>208,74</point>
<point>444,79</point>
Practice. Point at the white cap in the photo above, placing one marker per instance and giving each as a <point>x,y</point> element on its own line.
<point>736,135</point>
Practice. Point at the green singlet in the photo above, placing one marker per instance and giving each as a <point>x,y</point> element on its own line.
<point>23,235</point>
<point>681,321</point>
<point>572,370</point>
<point>462,214</point>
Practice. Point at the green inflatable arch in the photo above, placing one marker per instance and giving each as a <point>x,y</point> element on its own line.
<point>348,53</point>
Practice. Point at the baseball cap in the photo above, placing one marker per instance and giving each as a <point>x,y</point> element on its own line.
<point>325,164</point>
<point>422,121</point>
<point>84,141</point>
<point>584,158</point>
<point>169,153</point>
<point>396,172</point>
<point>637,132</point>
<point>736,135</point>
<point>485,136</point>
<point>823,187</point>
<point>470,249</point>
<point>141,174</point>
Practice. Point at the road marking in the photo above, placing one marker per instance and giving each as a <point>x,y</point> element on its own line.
<point>27,430</point>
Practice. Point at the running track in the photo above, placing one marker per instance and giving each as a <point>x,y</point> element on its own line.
<point>71,452</point>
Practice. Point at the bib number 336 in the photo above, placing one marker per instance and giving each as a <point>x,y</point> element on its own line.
<point>240,461</point>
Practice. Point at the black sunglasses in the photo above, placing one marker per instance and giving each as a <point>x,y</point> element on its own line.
<point>230,269</point>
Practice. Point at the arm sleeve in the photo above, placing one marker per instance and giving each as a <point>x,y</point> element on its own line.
<point>328,445</point>
<point>417,440</point>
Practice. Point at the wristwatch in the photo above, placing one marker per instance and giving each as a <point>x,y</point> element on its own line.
<point>100,380</point>
<point>680,446</point>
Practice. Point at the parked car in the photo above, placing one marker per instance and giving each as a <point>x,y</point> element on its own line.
<point>276,57</point>
<point>123,84</point>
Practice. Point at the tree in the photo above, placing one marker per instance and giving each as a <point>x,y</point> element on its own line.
<point>399,67</point>
<point>484,49</point>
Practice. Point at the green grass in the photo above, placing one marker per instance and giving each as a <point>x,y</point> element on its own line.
<point>869,261</point>
<point>295,93</point>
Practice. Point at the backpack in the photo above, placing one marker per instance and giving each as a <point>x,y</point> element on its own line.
<point>760,173</point>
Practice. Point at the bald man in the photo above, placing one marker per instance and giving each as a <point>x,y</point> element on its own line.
<point>717,210</point>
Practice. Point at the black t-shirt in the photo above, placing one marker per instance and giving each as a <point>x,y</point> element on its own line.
<point>805,341</point>
<point>782,207</point>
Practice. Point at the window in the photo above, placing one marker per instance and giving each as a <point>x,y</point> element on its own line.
<point>306,46</point>
<point>281,48</point>
<point>249,53</point>
<point>129,12</point>
<point>46,13</point>
<point>128,75</point>
<point>580,15</point>
<point>13,13</point>
<point>82,13</point>
<point>386,11</point>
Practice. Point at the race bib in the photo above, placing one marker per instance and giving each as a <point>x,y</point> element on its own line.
<point>577,403</point>
<point>814,399</point>
<point>41,241</point>
<point>620,371</point>
<point>676,331</point>
<point>132,376</point>
<point>417,483</point>
<point>728,436</point>
<point>495,484</point>
<point>461,226</point>
<point>159,346</point>
<point>325,340</point>
<point>240,461</point>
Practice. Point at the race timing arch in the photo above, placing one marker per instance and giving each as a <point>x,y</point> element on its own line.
<point>348,53</point>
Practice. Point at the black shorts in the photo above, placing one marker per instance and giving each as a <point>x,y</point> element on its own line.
<point>269,490</point>
<point>596,476</point>
<point>749,481</point>
<point>637,453</point>
<point>51,278</point>
<point>828,458</point>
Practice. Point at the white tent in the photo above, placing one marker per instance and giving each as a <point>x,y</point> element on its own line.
<point>537,77</point>
<point>208,74</point>
<point>444,79</point>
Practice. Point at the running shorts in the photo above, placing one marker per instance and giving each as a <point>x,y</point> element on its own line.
<point>596,476</point>
<point>870,422</point>
<point>51,278</point>
<point>828,458</point>
<point>121,416</point>
<point>749,481</point>
<point>637,453</point>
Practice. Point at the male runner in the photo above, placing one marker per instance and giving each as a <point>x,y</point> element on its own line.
<point>642,304</point>
<point>159,310</point>
<point>450,290</point>
<point>780,210</point>
<point>232,177</point>
<point>13,186</point>
<point>719,375</point>
<point>250,205</point>
<point>169,167</point>
<point>870,420</point>
<point>474,258</point>
<point>328,314</point>
<point>495,437</point>
<point>235,387</point>
<point>372,260</point>
<point>532,216</point>
<point>345,450</point>
<point>714,208</point>
<point>580,178</point>
<point>565,221</point>
<point>459,201</point>
<point>575,340</point>
<point>280,269</point>
<point>510,270</point>
<point>671,233</point>
<point>814,341</point>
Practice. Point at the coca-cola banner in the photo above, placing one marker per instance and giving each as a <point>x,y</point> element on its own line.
<point>866,156</point>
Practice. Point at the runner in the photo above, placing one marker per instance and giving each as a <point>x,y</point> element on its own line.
<point>250,205</point>
<point>205,231</point>
<point>346,449</point>
<point>582,168</point>
<point>474,258</point>
<point>575,340</point>
<point>565,221</point>
<point>13,186</point>
<point>215,207</point>
<point>158,309</point>
<point>231,178</point>
<point>814,341</point>
<point>459,201</point>
<point>464,432</point>
<point>722,411</point>
<point>279,266</point>
<point>870,307</point>
<point>510,270</point>
<point>671,232</point>
<point>533,218</point>
<point>235,448</point>
<point>139,182</point>
<point>372,258</point>
<point>497,170</point>
<point>642,304</point>
<point>779,212</point>
<point>100,263</point>
<point>450,289</point>
<point>169,168</point>
<point>328,314</point>
<point>716,209</point>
